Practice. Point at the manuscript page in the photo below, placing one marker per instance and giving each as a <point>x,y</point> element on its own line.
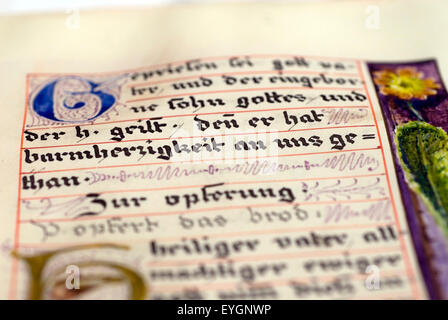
<point>216,152</point>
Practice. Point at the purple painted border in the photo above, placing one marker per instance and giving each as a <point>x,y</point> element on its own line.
<point>438,105</point>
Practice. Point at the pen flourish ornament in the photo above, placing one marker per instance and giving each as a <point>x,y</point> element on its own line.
<point>73,99</point>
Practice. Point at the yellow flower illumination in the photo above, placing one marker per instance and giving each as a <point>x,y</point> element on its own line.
<point>405,83</point>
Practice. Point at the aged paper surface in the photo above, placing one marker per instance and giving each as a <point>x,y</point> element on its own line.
<point>226,152</point>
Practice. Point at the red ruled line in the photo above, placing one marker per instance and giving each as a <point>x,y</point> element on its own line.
<point>222,208</point>
<point>239,90</point>
<point>216,235</point>
<point>261,72</point>
<point>273,257</point>
<point>199,160</point>
<point>203,136</point>
<point>197,114</point>
<point>207,286</point>
<point>202,185</point>
<point>205,59</point>
<point>278,231</point>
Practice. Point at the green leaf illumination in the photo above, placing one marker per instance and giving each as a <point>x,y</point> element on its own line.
<point>423,152</point>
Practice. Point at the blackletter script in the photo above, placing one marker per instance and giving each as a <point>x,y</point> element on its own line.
<point>199,175</point>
